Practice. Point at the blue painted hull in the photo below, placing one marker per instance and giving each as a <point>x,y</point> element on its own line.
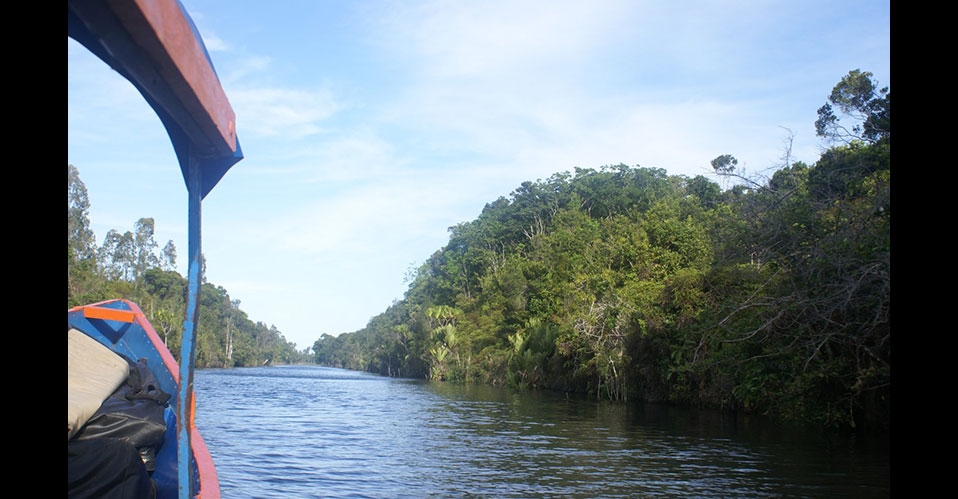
<point>121,326</point>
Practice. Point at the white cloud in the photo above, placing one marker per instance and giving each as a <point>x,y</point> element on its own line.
<point>282,114</point>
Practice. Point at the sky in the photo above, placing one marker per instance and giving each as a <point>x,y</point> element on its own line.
<point>371,127</point>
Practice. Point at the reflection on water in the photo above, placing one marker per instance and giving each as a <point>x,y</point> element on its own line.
<point>306,431</point>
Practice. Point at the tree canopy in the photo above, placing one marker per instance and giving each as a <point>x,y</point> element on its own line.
<point>627,283</point>
<point>859,99</point>
<point>130,265</point>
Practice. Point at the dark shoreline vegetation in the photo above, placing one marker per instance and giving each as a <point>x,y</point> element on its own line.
<point>770,296</point>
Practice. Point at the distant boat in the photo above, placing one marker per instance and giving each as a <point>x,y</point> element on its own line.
<point>131,429</point>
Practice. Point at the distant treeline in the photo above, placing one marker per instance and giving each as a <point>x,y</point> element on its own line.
<point>128,265</point>
<point>768,296</point>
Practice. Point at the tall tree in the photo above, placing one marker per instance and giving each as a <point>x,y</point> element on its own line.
<point>83,280</point>
<point>80,236</point>
<point>168,256</point>
<point>116,255</point>
<point>144,247</point>
<point>858,97</point>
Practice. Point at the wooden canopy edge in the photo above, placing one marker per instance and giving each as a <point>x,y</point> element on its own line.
<point>154,44</point>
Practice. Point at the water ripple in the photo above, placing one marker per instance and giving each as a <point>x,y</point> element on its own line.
<point>313,432</point>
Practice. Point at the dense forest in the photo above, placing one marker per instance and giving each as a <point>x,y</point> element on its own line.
<point>131,265</point>
<point>755,294</point>
<point>758,294</point>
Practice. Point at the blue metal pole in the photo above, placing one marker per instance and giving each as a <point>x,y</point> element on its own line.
<point>184,408</point>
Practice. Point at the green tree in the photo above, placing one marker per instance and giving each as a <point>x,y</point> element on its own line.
<point>858,98</point>
<point>709,193</point>
<point>144,248</point>
<point>116,256</point>
<point>169,324</point>
<point>531,363</point>
<point>84,282</point>
<point>168,256</point>
<point>80,237</point>
<point>724,164</point>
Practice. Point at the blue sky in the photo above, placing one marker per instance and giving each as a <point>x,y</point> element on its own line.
<point>371,127</point>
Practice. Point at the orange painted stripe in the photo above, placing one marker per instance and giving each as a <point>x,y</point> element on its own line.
<point>110,314</point>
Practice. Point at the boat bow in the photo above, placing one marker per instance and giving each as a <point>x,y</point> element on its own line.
<point>155,45</point>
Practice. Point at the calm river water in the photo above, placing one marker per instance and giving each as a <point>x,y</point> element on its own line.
<point>315,432</point>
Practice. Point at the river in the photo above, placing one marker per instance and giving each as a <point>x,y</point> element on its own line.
<point>317,432</point>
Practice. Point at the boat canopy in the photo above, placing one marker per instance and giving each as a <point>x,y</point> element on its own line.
<point>155,45</point>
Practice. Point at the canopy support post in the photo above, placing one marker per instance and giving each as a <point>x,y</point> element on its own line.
<point>184,408</point>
